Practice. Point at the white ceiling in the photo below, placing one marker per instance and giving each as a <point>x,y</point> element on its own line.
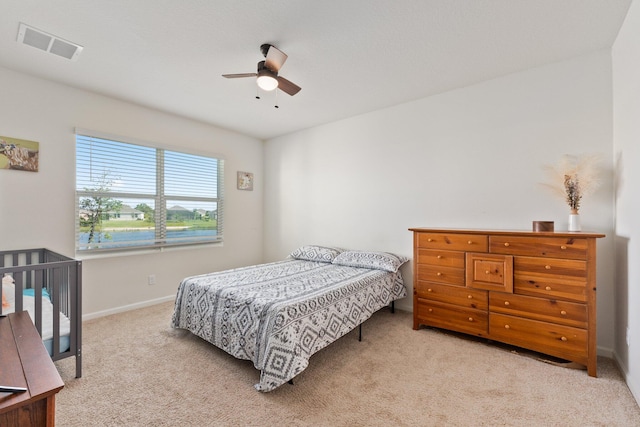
<point>349,56</point>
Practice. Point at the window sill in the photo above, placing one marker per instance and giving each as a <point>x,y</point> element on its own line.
<point>113,253</point>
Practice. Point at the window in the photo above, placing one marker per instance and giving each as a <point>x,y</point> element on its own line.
<point>134,196</point>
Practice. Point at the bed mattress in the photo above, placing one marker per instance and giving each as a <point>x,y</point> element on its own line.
<point>28,302</point>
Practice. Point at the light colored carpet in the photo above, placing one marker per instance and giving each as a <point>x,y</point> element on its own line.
<point>139,372</point>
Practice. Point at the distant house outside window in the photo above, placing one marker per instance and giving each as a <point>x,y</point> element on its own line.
<point>135,196</point>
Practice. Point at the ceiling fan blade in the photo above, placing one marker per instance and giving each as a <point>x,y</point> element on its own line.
<point>287,87</point>
<point>235,76</point>
<point>275,58</point>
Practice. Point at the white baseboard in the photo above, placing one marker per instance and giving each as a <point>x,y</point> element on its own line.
<point>605,352</point>
<point>129,307</point>
<point>634,388</point>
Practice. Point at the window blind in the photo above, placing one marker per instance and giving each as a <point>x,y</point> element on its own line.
<point>134,196</point>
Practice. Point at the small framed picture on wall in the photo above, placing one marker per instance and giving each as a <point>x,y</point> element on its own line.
<point>245,181</point>
<point>19,154</point>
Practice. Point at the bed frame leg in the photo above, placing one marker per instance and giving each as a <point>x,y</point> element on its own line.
<point>393,306</point>
<point>291,381</point>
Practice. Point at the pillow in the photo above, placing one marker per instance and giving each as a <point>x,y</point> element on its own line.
<point>316,253</point>
<point>374,260</point>
<point>8,294</point>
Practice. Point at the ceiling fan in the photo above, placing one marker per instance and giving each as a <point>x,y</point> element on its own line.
<point>267,74</point>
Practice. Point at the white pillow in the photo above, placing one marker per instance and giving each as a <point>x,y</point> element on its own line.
<point>8,293</point>
<point>375,260</point>
<point>316,253</point>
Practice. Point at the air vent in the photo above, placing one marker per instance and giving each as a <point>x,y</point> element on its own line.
<point>48,42</point>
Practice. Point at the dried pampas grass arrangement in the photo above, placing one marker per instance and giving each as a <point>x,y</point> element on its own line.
<point>574,177</point>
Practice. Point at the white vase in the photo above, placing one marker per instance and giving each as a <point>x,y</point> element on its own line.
<point>574,221</point>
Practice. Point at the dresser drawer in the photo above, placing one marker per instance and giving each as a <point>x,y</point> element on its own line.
<point>452,317</point>
<point>550,287</point>
<point>489,271</point>
<point>550,278</point>
<point>469,298</point>
<point>560,341</point>
<point>563,268</point>
<point>543,309</point>
<point>453,242</point>
<point>560,247</point>
<point>441,274</point>
<point>440,258</point>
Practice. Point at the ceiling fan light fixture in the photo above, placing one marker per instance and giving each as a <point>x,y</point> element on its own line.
<point>266,81</point>
<point>267,77</point>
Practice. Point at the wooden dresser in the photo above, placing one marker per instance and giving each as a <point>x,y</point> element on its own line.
<point>535,290</point>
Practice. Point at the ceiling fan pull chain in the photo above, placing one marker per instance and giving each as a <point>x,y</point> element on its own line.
<point>257,92</point>
<point>276,106</point>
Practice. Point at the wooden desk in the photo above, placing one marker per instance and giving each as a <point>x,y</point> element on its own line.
<point>24,362</point>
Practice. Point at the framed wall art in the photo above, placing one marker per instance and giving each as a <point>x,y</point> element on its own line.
<point>19,154</point>
<point>245,181</point>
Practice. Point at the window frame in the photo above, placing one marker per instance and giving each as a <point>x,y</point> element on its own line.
<point>160,199</point>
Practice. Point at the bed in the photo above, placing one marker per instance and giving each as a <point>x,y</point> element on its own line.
<point>48,285</point>
<point>279,314</point>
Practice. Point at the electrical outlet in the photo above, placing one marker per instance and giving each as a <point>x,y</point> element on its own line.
<point>152,279</point>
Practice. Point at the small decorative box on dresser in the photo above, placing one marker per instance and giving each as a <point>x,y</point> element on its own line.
<point>535,290</point>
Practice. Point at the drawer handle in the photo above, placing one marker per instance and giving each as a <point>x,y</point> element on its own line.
<point>506,303</point>
<point>438,274</point>
<point>506,243</point>
<point>470,296</point>
<point>470,319</point>
<point>507,327</point>
<point>439,257</point>
<point>429,240</point>
<point>487,272</point>
<point>429,290</point>
<point>564,313</point>
<point>563,247</point>
<point>563,338</point>
<point>431,310</point>
<point>469,242</point>
<point>548,267</point>
<point>548,288</point>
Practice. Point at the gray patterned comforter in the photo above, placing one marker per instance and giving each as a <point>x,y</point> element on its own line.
<point>279,314</point>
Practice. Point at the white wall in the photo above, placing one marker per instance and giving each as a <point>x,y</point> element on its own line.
<point>466,158</point>
<point>626,78</point>
<point>469,158</point>
<point>37,209</point>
